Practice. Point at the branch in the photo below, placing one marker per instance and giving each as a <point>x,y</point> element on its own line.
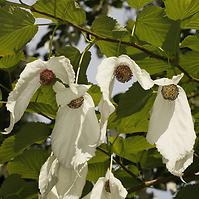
<point>102,38</point>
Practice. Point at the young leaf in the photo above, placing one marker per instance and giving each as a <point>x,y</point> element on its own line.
<point>67,10</point>
<point>14,33</point>
<point>191,42</point>
<point>182,9</point>
<point>152,26</point>
<point>28,164</point>
<point>133,100</point>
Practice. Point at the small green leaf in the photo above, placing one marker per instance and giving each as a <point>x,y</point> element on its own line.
<point>14,33</point>
<point>95,93</point>
<point>152,25</point>
<point>71,53</point>
<point>9,61</point>
<point>28,164</point>
<point>27,135</point>
<point>133,100</point>
<point>97,170</point>
<point>137,122</point>
<point>153,65</point>
<point>191,22</point>
<point>151,159</point>
<point>191,42</point>
<point>171,43</point>
<point>83,68</point>
<point>44,102</point>
<point>138,3</point>
<point>190,62</point>
<point>67,10</point>
<point>182,9</point>
<point>16,188</point>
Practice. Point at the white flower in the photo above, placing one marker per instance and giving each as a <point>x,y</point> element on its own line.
<point>76,132</point>
<point>171,126</point>
<point>58,182</point>
<point>121,68</point>
<point>107,187</point>
<point>32,77</point>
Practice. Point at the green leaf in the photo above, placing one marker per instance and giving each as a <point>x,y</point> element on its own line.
<point>133,100</point>
<point>83,68</point>
<point>108,27</point>
<point>9,61</point>
<point>153,65</point>
<point>138,3</point>
<point>191,22</point>
<point>111,49</point>
<point>44,102</point>
<point>99,157</point>
<point>190,62</point>
<point>71,53</point>
<point>192,42</point>
<point>137,122</point>
<point>27,135</point>
<point>189,191</point>
<point>28,164</point>
<point>182,9</point>
<point>171,43</point>
<point>16,188</point>
<point>97,170</point>
<point>151,159</point>
<point>152,25</point>
<point>14,33</point>
<point>67,10</point>
<point>95,93</point>
<point>130,147</point>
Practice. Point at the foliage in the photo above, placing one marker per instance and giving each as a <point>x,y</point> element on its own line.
<point>163,40</point>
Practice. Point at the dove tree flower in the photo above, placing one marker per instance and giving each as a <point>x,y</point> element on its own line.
<point>171,126</point>
<point>107,187</point>
<point>76,132</point>
<point>122,68</point>
<point>58,182</point>
<point>34,75</point>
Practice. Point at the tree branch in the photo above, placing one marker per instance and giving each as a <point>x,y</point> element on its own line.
<point>102,38</point>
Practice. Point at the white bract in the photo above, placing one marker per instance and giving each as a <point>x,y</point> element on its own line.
<point>171,126</point>
<point>121,68</point>
<point>76,132</point>
<point>107,187</point>
<point>58,182</point>
<point>30,81</point>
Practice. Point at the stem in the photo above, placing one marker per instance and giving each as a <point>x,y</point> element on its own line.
<point>81,58</point>
<point>51,41</point>
<point>103,38</point>
<point>47,24</point>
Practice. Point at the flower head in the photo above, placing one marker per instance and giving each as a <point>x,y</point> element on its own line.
<point>34,75</point>
<point>58,182</point>
<point>76,131</point>
<point>107,187</point>
<point>122,68</point>
<point>171,126</point>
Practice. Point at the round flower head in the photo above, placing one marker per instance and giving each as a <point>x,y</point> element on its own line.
<point>56,181</point>
<point>122,68</point>
<point>34,75</point>
<point>107,187</point>
<point>171,126</point>
<point>76,131</point>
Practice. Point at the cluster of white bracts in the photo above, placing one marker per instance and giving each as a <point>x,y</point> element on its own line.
<point>77,132</point>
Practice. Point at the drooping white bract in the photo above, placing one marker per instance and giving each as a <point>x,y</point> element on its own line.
<point>171,126</point>
<point>107,187</point>
<point>123,68</point>
<point>58,182</point>
<point>30,81</point>
<point>76,132</point>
